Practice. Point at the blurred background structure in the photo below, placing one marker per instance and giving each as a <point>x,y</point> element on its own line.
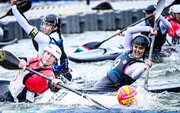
<point>77,16</point>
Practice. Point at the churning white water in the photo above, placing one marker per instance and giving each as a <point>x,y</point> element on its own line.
<point>167,71</point>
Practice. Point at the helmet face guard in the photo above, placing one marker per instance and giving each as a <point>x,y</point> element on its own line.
<point>44,30</point>
<point>51,20</point>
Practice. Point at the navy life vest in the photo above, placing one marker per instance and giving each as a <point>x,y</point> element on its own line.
<point>63,58</point>
<point>116,73</point>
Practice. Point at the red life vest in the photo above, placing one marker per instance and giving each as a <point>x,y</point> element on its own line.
<point>175,26</point>
<point>34,82</point>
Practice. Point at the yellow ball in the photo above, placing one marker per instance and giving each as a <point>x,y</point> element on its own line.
<point>126,95</point>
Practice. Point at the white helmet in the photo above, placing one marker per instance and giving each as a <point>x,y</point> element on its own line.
<point>53,49</point>
<point>174,9</point>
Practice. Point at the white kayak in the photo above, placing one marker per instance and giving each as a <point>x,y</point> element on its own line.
<point>67,97</point>
<point>67,100</point>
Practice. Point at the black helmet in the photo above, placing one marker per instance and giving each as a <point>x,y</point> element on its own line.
<point>141,40</point>
<point>150,9</point>
<point>51,19</point>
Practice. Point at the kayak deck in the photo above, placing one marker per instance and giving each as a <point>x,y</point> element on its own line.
<point>110,53</point>
<point>70,102</point>
<point>8,42</point>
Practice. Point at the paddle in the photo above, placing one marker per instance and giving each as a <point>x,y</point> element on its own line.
<point>159,9</point>
<point>94,45</point>
<point>10,61</point>
<point>168,42</point>
<point>24,6</point>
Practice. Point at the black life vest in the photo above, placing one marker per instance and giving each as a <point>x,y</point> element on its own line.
<point>159,39</point>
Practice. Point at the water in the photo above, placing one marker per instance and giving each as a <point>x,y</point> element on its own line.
<point>167,71</point>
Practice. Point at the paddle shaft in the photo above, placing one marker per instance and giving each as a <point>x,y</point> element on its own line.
<point>168,42</point>
<point>128,27</point>
<point>94,45</point>
<point>159,9</point>
<point>108,39</point>
<point>3,16</point>
<point>145,18</point>
<point>79,93</point>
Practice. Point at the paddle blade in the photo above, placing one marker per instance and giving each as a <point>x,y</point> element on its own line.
<point>24,6</point>
<point>88,46</point>
<point>92,45</point>
<point>8,60</point>
<point>160,7</point>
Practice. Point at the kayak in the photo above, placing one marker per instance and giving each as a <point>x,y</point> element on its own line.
<point>94,55</point>
<point>62,97</point>
<point>67,101</point>
<point>5,43</point>
<point>109,53</point>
